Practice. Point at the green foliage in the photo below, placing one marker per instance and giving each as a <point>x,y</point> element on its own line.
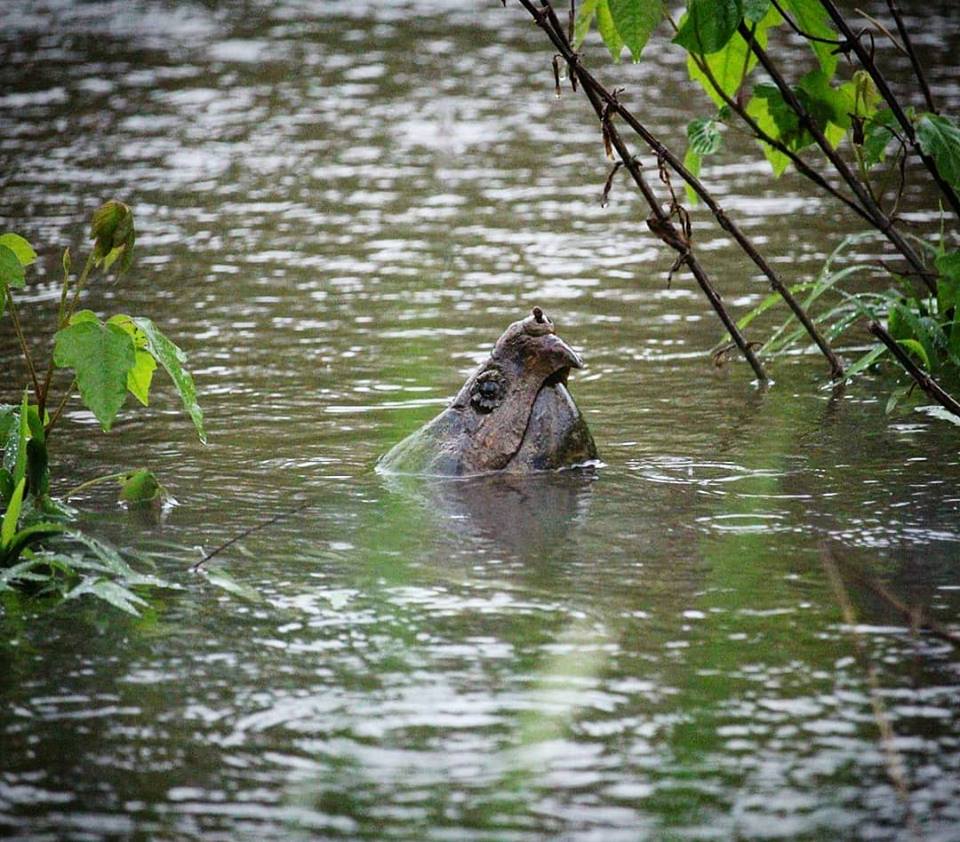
<point>100,355</point>
<point>172,359</point>
<point>939,137</point>
<point>811,17</point>
<point>730,66</point>
<point>709,25</point>
<point>703,138</point>
<point>108,359</point>
<point>620,23</point>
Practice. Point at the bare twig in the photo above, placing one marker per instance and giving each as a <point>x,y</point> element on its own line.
<point>611,104</point>
<point>247,532</point>
<point>912,53</point>
<point>59,412</point>
<point>924,380</point>
<point>605,104</point>
<point>24,348</point>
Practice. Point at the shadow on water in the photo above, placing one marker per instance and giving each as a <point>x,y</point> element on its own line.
<point>528,516</point>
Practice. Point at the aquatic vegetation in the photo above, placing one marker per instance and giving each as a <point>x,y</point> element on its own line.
<point>108,358</point>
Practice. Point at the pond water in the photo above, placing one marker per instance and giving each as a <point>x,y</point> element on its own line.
<point>340,206</point>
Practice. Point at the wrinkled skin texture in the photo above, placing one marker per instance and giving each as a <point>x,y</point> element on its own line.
<point>513,414</point>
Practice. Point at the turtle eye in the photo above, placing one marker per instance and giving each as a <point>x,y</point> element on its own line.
<point>487,391</point>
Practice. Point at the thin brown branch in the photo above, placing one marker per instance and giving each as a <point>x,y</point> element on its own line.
<point>912,53</point>
<point>923,380</point>
<point>611,104</point>
<point>24,348</point>
<point>866,60</point>
<point>63,402</point>
<point>803,34</point>
<point>605,104</point>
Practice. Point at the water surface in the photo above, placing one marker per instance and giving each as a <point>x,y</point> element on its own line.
<point>340,207</point>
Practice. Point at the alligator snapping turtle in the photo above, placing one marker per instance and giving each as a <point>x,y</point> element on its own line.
<point>513,414</point>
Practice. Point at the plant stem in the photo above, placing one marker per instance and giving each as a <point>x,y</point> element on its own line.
<point>866,59</point>
<point>612,105</point>
<point>92,482</point>
<point>63,403</point>
<point>62,318</point>
<point>879,219</point>
<point>603,104</point>
<point>914,59</point>
<point>923,380</point>
<point>24,348</point>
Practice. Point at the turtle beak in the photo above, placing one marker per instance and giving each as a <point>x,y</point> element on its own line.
<point>561,353</point>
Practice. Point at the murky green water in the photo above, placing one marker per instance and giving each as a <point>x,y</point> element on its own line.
<point>340,207</point>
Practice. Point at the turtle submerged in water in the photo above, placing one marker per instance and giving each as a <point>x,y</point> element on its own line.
<point>513,414</point>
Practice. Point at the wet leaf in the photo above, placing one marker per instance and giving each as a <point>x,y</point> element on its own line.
<point>11,270</point>
<point>20,247</point>
<point>38,468</point>
<point>111,592</point>
<point>140,376</point>
<point>608,30</point>
<point>704,136</point>
<point>635,21</point>
<point>939,138</point>
<point>812,18</point>
<point>586,11</point>
<point>172,359</point>
<point>9,525</point>
<point>216,575</point>
<point>708,25</point>
<point>100,355</point>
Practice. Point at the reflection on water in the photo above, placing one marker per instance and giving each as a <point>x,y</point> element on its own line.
<point>340,206</point>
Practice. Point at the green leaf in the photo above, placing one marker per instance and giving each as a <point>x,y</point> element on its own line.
<point>755,10</point>
<point>23,434</point>
<point>772,115</point>
<point>586,11</point>
<point>11,270</point>
<point>608,30</point>
<point>865,361</point>
<point>709,25</point>
<point>110,592</point>
<point>704,135</point>
<point>917,349</point>
<point>635,20</point>
<point>948,286</point>
<point>30,535</point>
<point>140,376</point>
<point>100,355</point>
<point>877,136</point>
<point>172,359</point>
<point>812,18</point>
<point>12,515</point>
<point>828,107</point>
<point>216,575</point>
<point>140,488</point>
<point>6,486</point>
<point>20,247</point>
<point>38,468</point>
<point>940,139</point>
<point>731,65</point>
